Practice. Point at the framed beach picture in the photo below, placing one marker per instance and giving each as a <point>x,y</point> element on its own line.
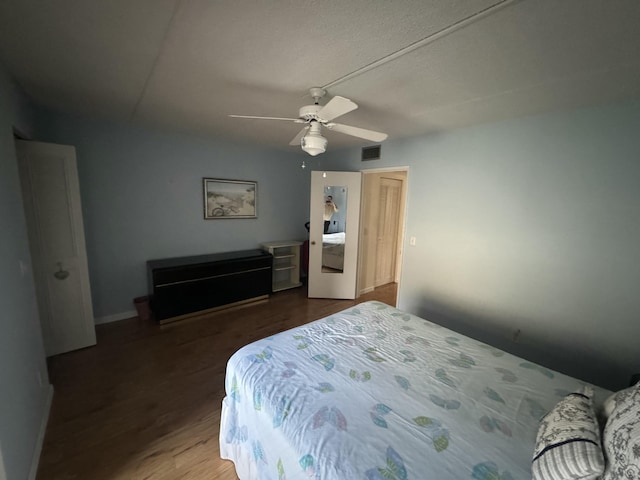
<point>230,198</point>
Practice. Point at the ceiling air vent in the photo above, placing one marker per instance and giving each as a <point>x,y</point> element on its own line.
<point>371,153</point>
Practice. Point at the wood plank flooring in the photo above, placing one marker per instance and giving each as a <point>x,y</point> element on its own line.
<point>145,402</point>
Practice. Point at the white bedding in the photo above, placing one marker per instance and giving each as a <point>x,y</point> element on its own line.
<point>375,393</point>
<point>333,238</point>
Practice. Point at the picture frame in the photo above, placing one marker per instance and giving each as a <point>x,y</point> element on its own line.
<point>227,199</point>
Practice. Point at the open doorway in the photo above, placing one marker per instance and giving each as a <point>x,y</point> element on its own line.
<point>384,193</point>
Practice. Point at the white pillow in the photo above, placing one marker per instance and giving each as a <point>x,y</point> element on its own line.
<point>610,403</point>
<point>568,441</point>
<point>621,437</point>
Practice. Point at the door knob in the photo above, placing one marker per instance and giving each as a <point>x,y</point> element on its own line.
<point>61,274</point>
<point>313,242</point>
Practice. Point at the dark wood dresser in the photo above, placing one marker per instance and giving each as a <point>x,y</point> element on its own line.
<point>181,287</point>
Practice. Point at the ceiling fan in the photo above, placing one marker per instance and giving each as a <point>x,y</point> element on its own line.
<point>316,116</point>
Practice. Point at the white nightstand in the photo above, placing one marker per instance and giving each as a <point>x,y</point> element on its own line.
<point>286,263</point>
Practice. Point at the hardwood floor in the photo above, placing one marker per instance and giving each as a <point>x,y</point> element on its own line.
<point>145,402</point>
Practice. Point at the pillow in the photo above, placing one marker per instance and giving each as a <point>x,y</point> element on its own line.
<point>568,441</point>
<point>610,403</point>
<point>621,437</point>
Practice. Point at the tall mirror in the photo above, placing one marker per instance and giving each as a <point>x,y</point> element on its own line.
<point>335,221</point>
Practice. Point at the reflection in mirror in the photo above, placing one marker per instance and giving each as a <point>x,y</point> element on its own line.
<point>335,220</point>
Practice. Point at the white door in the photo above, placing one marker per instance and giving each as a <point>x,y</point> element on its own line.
<point>333,256</point>
<point>51,195</point>
<point>3,473</point>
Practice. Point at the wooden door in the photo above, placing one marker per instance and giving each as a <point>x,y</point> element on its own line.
<point>326,278</point>
<point>51,193</point>
<point>387,230</point>
<point>372,209</point>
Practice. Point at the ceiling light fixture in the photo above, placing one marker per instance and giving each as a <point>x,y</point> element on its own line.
<point>313,142</point>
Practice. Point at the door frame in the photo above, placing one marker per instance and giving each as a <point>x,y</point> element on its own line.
<point>366,206</point>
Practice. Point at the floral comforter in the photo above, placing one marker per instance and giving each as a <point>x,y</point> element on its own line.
<point>375,393</point>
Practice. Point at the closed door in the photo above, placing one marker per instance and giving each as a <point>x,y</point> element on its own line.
<point>387,230</point>
<point>333,256</point>
<point>3,473</point>
<point>51,193</point>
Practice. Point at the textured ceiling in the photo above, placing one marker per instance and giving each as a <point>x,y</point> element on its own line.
<point>187,65</point>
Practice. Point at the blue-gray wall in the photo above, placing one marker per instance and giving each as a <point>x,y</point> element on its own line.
<point>23,400</point>
<point>142,199</point>
<point>531,225</point>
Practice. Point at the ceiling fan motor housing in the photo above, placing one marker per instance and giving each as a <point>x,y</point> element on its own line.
<point>309,112</point>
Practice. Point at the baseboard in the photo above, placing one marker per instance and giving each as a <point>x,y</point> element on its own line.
<point>115,317</point>
<point>367,290</point>
<point>249,302</point>
<point>40,440</point>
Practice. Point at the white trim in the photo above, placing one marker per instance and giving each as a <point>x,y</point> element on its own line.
<point>384,169</point>
<point>40,440</point>
<point>367,290</point>
<point>115,317</point>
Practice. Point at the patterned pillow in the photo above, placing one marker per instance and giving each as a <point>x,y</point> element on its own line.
<point>610,403</point>
<point>621,437</point>
<point>568,441</point>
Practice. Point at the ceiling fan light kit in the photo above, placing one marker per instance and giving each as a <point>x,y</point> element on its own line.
<point>316,116</point>
<point>313,142</point>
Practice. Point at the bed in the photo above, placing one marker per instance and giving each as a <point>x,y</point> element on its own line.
<point>333,250</point>
<point>375,393</point>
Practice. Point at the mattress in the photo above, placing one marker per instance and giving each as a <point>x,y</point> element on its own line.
<point>333,238</point>
<point>376,393</point>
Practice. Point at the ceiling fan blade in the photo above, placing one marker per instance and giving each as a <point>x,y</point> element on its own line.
<point>298,137</point>
<point>357,132</point>
<point>336,107</point>
<point>297,120</point>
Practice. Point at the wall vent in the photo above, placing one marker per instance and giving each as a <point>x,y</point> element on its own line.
<point>371,153</point>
